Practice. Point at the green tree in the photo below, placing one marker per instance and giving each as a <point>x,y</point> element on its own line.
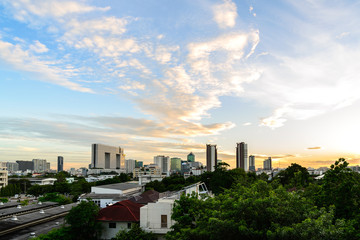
<point>294,176</point>
<point>135,233</point>
<point>82,221</point>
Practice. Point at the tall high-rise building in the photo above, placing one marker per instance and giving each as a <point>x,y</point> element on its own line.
<point>242,156</point>
<point>25,165</point>
<point>164,163</point>
<point>211,157</point>
<point>191,157</point>
<point>175,164</point>
<point>40,165</point>
<point>60,164</point>
<point>139,164</point>
<point>268,164</point>
<point>107,157</point>
<point>130,164</point>
<point>12,166</point>
<point>252,163</point>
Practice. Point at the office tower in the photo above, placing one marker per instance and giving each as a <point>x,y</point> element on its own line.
<point>60,164</point>
<point>242,156</point>
<point>107,157</point>
<point>139,164</point>
<point>211,157</point>
<point>47,166</point>
<point>252,163</point>
<point>130,164</point>
<point>3,175</point>
<point>185,167</point>
<point>163,162</point>
<point>191,157</point>
<point>175,164</point>
<point>40,165</point>
<point>25,165</point>
<point>268,164</point>
<point>12,166</point>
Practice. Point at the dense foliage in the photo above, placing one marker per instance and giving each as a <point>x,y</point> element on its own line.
<point>80,224</point>
<point>255,209</point>
<point>135,233</point>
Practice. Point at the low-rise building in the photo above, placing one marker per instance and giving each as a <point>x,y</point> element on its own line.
<point>117,217</point>
<point>109,194</point>
<point>3,175</point>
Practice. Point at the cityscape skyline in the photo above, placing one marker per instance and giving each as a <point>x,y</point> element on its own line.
<point>167,78</point>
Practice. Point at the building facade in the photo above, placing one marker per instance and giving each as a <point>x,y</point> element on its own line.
<point>25,165</point>
<point>267,164</point>
<point>130,165</point>
<point>252,163</point>
<point>12,167</point>
<point>164,163</point>
<point>3,175</point>
<point>242,156</point>
<point>211,157</point>
<point>60,164</point>
<point>40,165</point>
<point>107,157</point>
<point>175,165</point>
<point>191,157</point>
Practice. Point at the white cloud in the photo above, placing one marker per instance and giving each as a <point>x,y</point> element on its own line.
<point>24,10</point>
<point>23,60</point>
<point>225,14</point>
<point>38,47</point>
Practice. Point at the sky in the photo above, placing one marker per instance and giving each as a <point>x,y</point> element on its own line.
<point>167,77</point>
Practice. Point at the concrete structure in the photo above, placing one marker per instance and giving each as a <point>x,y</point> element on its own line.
<point>185,167</point>
<point>191,157</point>
<point>175,165</point>
<point>25,165</point>
<point>12,167</point>
<point>152,169</point>
<point>267,164</point>
<point>105,195</point>
<point>211,157</point>
<point>130,165</point>
<point>143,179</point>
<point>252,163</point>
<point>139,164</point>
<point>60,164</point>
<point>119,216</point>
<point>156,217</point>
<point>42,181</point>
<point>107,157</point>
<point>242,156</point>
<point>40,165</point>
<point>164,163</point>
<point>3,175</point>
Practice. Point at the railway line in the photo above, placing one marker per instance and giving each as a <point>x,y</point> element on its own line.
<point>16,220</point>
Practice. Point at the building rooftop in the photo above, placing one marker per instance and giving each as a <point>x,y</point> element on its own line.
<point>124,211</point>
<point>120,186</point>
<point>146,197</point>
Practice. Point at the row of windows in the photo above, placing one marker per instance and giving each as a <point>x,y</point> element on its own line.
<point>113,225</point>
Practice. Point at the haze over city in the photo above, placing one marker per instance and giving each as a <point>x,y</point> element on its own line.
<point>167,77</point>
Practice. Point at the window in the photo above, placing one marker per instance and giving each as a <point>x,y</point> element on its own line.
<point>112,225</point>
<point>163,221</point>
<point>129,225</point>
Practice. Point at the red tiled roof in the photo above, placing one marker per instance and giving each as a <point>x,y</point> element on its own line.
<point>124,211</point>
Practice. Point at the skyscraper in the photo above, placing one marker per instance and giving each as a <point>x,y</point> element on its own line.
<point>40,165</point>
<point>252,163</point>
<point>191,157</point>
<point>242,156</point>
<point>107,157</point>
<point>60,164</point>
<point>25,165</point>
<point>175,164</point>
<point>211,157</point>
<point>268,164</point>
<point>130,164</point>
<point>163,162</point>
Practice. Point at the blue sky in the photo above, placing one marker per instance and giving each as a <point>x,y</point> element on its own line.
<point>167,77</point>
